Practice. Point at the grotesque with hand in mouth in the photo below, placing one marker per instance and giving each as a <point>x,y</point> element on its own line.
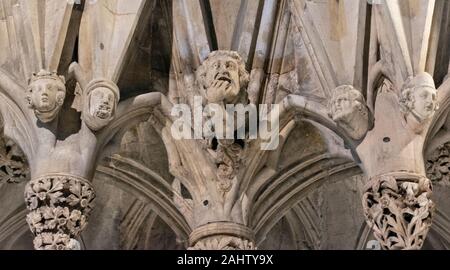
<point>223,78</point>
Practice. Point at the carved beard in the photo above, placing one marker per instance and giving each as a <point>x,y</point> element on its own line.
<point>345,115</point>
<point>103,112</point>
<point>100,117</point>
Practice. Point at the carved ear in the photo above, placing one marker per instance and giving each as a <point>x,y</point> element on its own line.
<point>30,102</point>
<point>437,106</point>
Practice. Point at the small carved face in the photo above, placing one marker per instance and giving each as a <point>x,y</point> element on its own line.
<point>342,107</point>
<point>46,95</point>
<point>348,110</point>
<point>223,79</point>
<point>102,103</point>
<point>424,102</point>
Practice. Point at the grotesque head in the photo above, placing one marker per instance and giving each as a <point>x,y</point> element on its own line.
<point>100,101</point>
<point>348,109</point>
<point>223,77</point>
<point>46,94</point>
<point>419,96</point>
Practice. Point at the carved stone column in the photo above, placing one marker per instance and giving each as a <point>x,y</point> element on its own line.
<point>398,208</point>
<point>59,206</point>
<point>222,236</point>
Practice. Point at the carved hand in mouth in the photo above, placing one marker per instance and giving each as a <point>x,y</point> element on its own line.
<point>218,89</point>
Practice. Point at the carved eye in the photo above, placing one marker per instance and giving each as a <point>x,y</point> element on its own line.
<point>216,65</point>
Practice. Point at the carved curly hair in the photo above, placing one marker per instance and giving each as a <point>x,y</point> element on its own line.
<point>350,92</point>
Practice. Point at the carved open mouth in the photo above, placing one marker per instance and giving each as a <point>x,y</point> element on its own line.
<point>224,78</point>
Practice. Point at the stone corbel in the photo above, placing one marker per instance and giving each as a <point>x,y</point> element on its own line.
<point>46,94</point>
<point>222,236</point>
<point>349,110</point>
<point>59,206</point>
<point>398,208</point>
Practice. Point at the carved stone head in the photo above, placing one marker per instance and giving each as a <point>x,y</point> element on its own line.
<point>348,109</point>
<point>419,97</point>
<point>223,78</point>
<point>100,101</point>
<point>46,94</point>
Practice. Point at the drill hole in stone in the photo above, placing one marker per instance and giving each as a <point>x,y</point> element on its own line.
<point>386,139</point>
<point>205,203</point>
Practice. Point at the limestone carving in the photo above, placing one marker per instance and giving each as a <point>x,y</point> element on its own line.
<point>399,209</point>
<point>222,236</point>
<point>348,109</point>
<point>223,78</point>
<point>418,100</point>
<point>14,167</point>
<point>438,165</point>
<point>59,207</point>
<point>224,243</point>
<point>100,99</point>
<point>46,94</point>
<point>229,159</point>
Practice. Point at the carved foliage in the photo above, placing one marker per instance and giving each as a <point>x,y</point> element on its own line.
<point>438,165</point>
<point>60,206</point>
<point>399,210</point>
<point>13,164</point>
<point>229,160</point>
<point>224,243</point>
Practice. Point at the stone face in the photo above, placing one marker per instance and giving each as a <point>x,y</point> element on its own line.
<point>348,110</point>
<point>100,101</point>
<point>86,94</point>
<point>224,78</point>
<point>419,98</point>
<point>46,94</point>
